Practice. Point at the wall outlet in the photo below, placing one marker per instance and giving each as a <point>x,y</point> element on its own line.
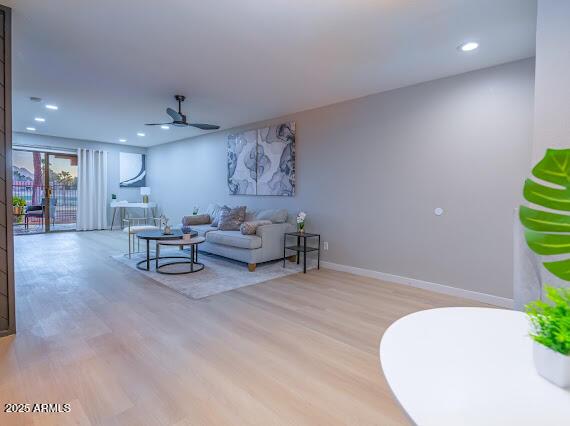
<point>326,245</point>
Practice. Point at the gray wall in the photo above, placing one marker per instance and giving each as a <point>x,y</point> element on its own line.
<point>552,84</point>
<point>129,194</point>
<point>371,171</point>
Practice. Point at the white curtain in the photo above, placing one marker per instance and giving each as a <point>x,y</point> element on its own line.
<point>91,189</point>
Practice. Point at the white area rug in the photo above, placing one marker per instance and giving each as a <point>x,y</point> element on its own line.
<point>219,274</point>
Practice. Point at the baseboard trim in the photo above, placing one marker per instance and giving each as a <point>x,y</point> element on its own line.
<point>426,285</point>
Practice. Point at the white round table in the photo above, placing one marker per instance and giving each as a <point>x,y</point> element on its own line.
<point>469,366</point>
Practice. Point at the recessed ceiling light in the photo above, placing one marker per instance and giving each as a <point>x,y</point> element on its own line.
<point>468,46</point>
<point>122,140</point>
<point>165,127</point>
<point>31,129</point>
<point>53,107</point>
<point>40,119</point>
<point>140,134</point>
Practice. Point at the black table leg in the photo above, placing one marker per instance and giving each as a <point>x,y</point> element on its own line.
<point>156,255</point>
<point>284,244</point>
<point>148,255</point>
<point>319,254</point>
<point>192,254</point>
<point>305,255</point>
<point>298,244</point>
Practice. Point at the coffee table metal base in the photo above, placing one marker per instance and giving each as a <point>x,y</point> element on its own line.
<point>194,266</point>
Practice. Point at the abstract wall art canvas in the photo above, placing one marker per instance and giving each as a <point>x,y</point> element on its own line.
<point>242,163</point>
<point>132,170</point>
<point>276,160</point>
<point>262,161</point>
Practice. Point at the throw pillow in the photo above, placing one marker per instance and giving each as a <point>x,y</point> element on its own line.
<point>275,216</point>
<point>216,214</point>
<point>231,219</point>
<point>250,228</point>
<point>199,219</point>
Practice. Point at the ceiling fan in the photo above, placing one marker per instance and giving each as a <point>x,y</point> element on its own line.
<point>179,119</point>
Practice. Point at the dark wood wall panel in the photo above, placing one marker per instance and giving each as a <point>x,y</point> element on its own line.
<point>4,307</point>
<point>3,186</point>
<point>3,284</point>
<point>3,239</point>
<point>7,301</point>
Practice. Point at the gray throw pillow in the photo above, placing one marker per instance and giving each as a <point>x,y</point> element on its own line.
<point>274,215</point>
<point>230,220</point>
<point>250,228</point>
<point>215,216</point>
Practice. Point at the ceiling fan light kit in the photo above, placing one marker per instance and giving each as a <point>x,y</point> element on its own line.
<point>179,119</point>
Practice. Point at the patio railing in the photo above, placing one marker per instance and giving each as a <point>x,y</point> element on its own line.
<point>64,197</point>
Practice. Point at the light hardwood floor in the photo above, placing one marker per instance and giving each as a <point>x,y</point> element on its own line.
<point>124,350</point>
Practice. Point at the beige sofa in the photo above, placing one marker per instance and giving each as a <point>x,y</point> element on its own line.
<point>265,245</point>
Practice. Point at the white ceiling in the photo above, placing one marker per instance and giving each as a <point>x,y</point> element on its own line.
<point>112,65</point>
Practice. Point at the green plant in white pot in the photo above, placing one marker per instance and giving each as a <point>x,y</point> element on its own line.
<point>547,232</point>
<point>551,335</point>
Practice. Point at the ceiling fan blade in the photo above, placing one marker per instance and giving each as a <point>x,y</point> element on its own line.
<point>158,124</point>
<point>204,126</point>
<point>175,115</point>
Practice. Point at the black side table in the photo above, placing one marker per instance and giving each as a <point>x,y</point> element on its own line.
<point>302,248</point>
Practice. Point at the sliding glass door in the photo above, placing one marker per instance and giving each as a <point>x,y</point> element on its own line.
<point>63,191</point>
<point>44,191</point>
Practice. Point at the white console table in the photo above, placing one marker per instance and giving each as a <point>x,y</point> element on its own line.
<point>469,366</point>
<point>121,206</point>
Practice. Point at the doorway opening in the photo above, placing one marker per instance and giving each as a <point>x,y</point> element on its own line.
<point>44,191</point>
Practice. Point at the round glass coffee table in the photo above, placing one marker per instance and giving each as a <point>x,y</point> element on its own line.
<point>158,236</point>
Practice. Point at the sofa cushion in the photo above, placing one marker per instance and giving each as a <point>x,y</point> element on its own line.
<point>215,216</point>
<point>230,220</point>
<point>197,219</point>
<point>274,215</point>
<point>249,228</point>
<point>202,230</point>
<point>234,239</point>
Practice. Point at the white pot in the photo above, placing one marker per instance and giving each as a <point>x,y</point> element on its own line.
<point>552,365</point>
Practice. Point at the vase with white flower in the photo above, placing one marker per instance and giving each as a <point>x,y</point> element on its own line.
<point>301,222</point>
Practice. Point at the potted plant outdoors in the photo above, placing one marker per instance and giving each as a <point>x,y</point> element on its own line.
<point>551,334</point>
<point>18,208</point>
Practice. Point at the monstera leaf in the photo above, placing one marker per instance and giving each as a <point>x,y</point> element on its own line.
<point>547,232</point>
